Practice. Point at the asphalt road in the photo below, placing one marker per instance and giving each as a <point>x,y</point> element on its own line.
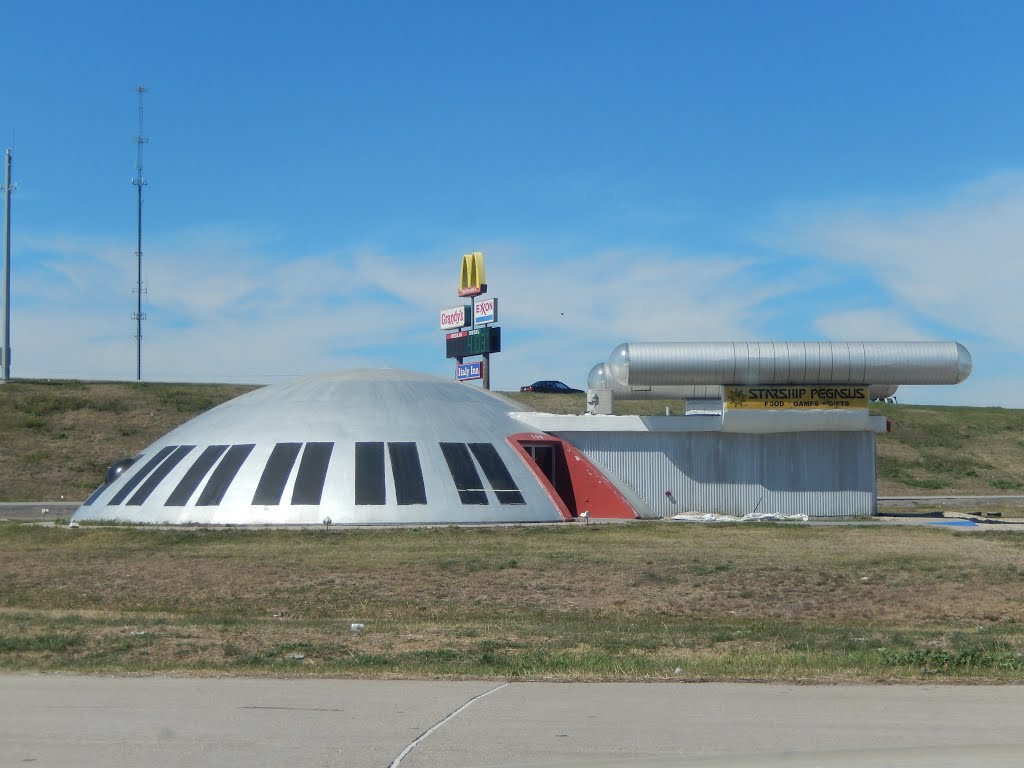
<point>948,501</point>
<point>33,510</point>
<point>116,723</point>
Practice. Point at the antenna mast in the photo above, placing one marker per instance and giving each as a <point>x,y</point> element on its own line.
<point>5,349</point>
<point>138,181</point>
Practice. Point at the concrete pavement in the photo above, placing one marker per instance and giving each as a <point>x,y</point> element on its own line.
<point>120,722</point>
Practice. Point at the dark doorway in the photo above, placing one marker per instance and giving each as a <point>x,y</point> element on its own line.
<point>544,457</point>
<point>572,481</point>
<point>549,456</point>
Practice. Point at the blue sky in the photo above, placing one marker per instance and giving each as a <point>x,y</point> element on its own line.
<point>632,172</point>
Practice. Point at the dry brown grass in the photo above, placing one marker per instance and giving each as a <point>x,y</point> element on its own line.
<point>594,602</point>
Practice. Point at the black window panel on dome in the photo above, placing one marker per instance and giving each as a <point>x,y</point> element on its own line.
<point>157,476</point>
<point>370,489</point>
<point>405,466</point>
<point>312,474</point>
<point>94,495</point>
<point>497,473</point>
<point>276,473</point>
<point>139,476</point>
<point>222,476</point>
<point>467,479</point>
<point>194,476</point>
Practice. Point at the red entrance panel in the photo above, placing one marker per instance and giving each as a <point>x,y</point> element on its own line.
<point>574,484</point>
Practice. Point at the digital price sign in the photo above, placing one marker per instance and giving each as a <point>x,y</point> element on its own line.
<point>477,342</point>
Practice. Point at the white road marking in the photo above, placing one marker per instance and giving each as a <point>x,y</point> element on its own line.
<point>397,761</point>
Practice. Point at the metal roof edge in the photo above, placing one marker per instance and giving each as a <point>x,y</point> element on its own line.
<point>731,421</point>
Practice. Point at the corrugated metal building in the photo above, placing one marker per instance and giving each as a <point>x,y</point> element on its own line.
<point>823,474</point>
<point>824,467</point>
<point>814,460</point>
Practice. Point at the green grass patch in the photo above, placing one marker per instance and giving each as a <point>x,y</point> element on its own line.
<point>47,643</point>
<point>941,661</point>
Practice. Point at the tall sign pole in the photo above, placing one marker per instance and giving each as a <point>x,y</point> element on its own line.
<point>485,314</point>
<point>473,330</point>
<point>5,351</point>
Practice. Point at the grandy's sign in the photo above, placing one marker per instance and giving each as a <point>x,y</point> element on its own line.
<point>455,317</point>
<point>822,396</point>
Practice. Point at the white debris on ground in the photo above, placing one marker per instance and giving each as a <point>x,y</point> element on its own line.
<point>754,517</point>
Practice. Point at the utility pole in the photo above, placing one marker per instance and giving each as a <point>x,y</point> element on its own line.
<point>139,182</point>
<point>5,350</point>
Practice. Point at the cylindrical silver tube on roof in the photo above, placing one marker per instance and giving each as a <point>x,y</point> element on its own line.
<point>882,391</point>
<point>599,379</point>
<point>734,363</point>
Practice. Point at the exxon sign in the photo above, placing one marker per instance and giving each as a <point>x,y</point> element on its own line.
<point>455,317</point>
<point>485,311</point>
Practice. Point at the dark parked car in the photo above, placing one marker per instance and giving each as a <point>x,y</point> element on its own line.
<point>551,387</point>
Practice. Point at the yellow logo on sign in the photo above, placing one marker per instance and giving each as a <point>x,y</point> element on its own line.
<point>822,396</point>
<point>471,277</point>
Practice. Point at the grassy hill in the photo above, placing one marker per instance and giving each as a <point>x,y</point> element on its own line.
<point>58,437</point>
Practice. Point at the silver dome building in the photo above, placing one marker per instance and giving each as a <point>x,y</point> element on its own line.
<point>357,447</point>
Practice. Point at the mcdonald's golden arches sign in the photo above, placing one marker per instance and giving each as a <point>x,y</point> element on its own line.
<point>472,281</point>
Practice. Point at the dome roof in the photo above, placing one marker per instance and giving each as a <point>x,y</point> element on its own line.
<point>357,447</point>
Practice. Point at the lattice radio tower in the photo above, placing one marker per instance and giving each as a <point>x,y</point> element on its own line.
<point>138,181</point>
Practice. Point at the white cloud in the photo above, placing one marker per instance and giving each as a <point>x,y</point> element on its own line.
<point>957,262</point>
<point>230,306</point>
<point>869,325</point>
<point>571,312</point>
<point>225,307</point>
<point>952,264</point>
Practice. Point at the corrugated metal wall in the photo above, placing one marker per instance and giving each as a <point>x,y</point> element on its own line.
<point>819,474</point>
